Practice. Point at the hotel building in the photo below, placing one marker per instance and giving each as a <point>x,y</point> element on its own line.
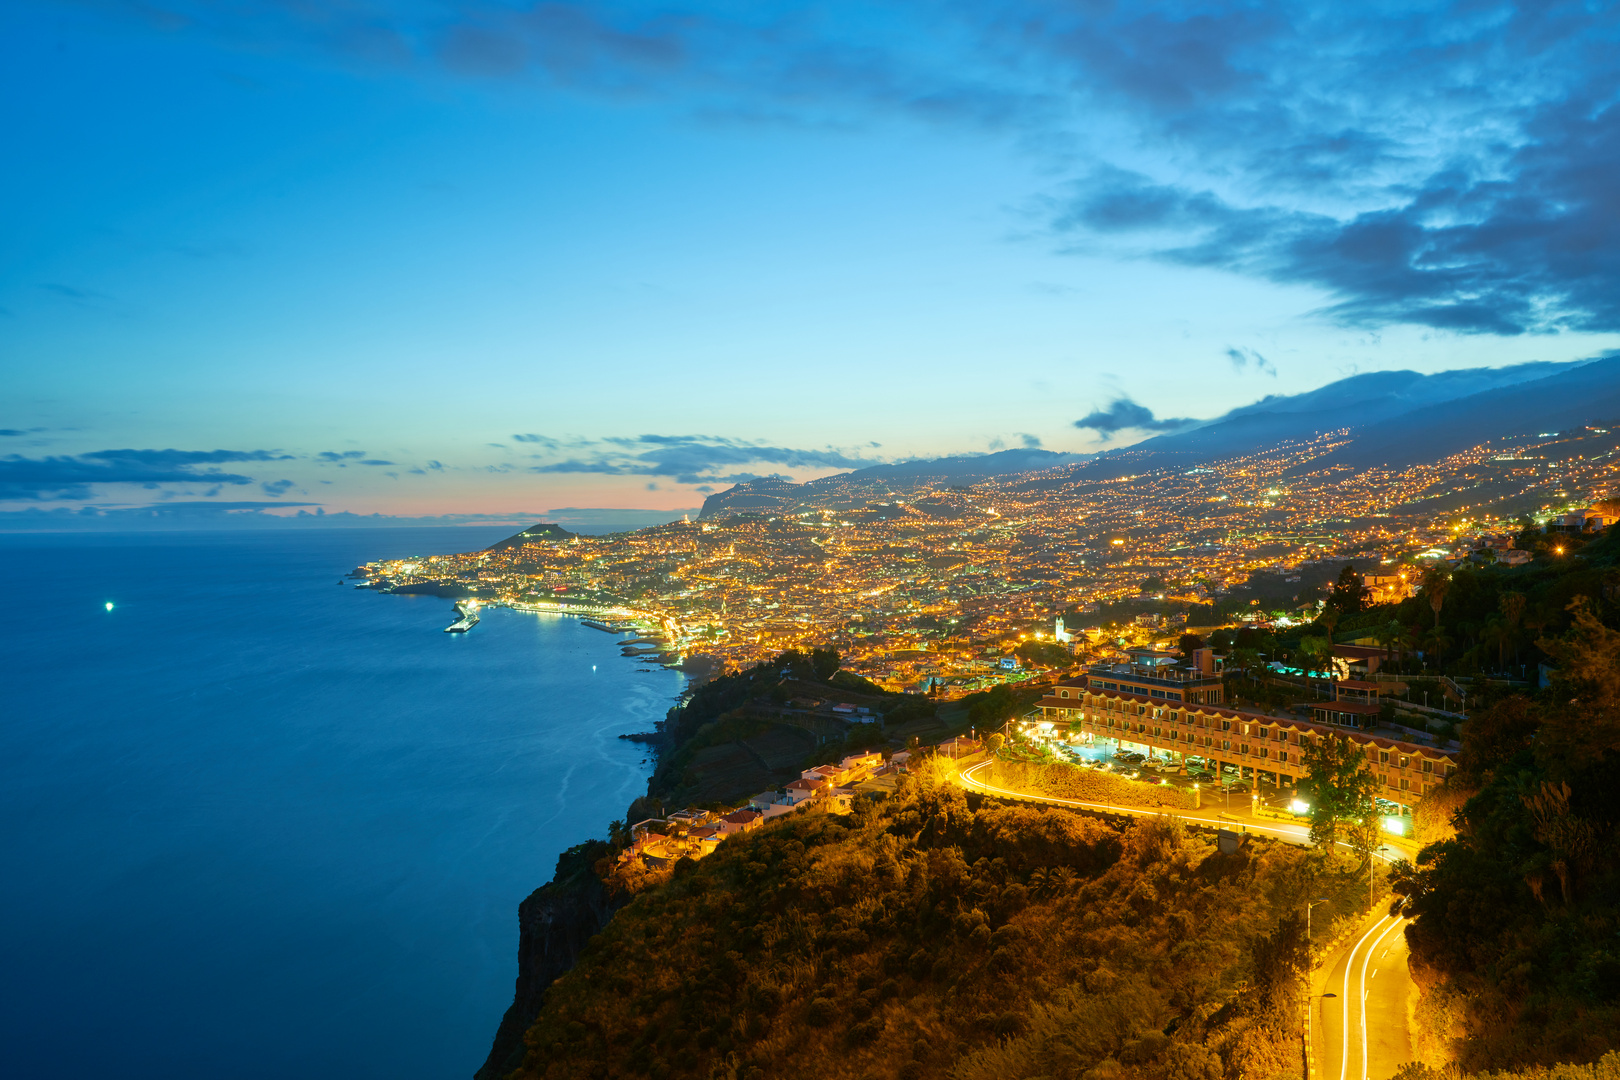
<point>1175,714</point>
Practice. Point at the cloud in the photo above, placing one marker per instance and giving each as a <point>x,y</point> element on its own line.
<point>276,487</point>
<point>1242,358</point>
<point>1460,255</point>
<point>11,432</point>
<point>542,440</point>
<point>375,461</point>
<point>1439,165</point>
<point>73,477</point>
<point>1031,442</point>
<point>694,459</point>
<point>1123,414</point>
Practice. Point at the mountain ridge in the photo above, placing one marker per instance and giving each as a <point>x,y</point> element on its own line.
<point>1392,418</point>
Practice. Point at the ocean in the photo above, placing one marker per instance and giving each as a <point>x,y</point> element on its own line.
<point>258,824</point>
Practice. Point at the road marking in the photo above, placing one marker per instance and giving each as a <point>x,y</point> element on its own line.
<point>1365,992</point>
<point>1344,1041</point>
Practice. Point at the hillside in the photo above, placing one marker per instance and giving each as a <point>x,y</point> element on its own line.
<point>1393,418</point>
<point>929,935</point>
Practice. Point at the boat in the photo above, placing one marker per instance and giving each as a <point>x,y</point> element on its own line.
<point>468,619</point>
<point>463,624</point>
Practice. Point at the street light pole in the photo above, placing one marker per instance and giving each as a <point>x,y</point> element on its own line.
<point>1310,904</point>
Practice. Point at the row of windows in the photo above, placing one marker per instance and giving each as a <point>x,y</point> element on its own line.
<point>1256,731</point>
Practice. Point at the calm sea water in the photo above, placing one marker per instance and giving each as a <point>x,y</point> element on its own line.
<point>254,824</point>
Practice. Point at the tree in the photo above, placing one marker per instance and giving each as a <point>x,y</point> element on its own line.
<point>995,741</point>
<point>1586,731</point>
<point>1496,631</point>
<point>1512,605</point>
<point>1245,660</point>
<point>1437,641</point>
<point>1343,792</point>
<point>824,662</point>
<point>1330,620</point>
<point>1436,580</point>
<point>1315,651</point>
<point>1349,592</point>
<point>1389,636</point>
<point>1189,642</point>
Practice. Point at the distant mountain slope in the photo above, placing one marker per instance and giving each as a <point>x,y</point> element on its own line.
<point>775,495</point>
<point>1584,394</point>
<point>1353,402</point>
<point>1393,417</point>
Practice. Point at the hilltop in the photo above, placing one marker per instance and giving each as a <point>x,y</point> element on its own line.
<point>932,934</point>
<point>539,531</point>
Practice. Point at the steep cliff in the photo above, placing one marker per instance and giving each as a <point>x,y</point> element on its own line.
<point>554,924</point>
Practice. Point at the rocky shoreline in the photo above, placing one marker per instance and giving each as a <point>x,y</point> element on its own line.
<point>555,923</point>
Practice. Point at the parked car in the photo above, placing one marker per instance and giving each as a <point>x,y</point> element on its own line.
<point>1201,776</point>
<point>1239,787</point>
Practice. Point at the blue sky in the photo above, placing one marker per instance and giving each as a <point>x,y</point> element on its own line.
<point>436,258</point>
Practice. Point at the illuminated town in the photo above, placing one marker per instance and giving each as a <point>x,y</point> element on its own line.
<point>932,587</point>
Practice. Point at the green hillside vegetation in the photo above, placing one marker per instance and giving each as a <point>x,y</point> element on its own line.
<point>1490,617</point>
<point>1060,781</point>
<point>1516,938</point>
<point>1606,1068</point>
<point>1517,934</point>
<point>932,934</point>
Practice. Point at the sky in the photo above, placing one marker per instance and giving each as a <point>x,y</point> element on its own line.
<point>441,259</point>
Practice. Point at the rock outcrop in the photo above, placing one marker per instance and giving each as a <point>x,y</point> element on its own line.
<point>554,925</point>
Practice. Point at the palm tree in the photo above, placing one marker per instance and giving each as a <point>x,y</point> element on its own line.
<point>1436,580</point>
<point>1512,604</point>
<point>1414,640</point>
<point>1436,639</point>
<point>1389,636</point>
<point>1497,631</point>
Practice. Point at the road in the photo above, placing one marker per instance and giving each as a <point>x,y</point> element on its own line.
<point>1359,1005</point>
<point>1360,1031</point>
<point>1241,820</point>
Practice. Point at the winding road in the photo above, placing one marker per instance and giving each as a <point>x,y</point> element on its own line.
<point>1358,997</point>
<point>1362,1032</point>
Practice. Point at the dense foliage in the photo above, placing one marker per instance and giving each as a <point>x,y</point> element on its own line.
<point>929,935</point>
<point>1517,935</point>
<point>1061,781</point>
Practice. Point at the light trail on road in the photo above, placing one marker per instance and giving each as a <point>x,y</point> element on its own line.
<point>1292,834</point>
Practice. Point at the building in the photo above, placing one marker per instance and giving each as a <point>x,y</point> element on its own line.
<point>739,821</point>
<point>1359,659</point>
<point>1389,588</point>
<point>1266,749</point>
<point>1196,680</point>
<point>1059,634</point>
<point>1584,520</point>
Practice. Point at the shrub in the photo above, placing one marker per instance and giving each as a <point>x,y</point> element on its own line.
<point>1085,785</point>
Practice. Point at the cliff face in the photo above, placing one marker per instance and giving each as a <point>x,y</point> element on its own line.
<point>554,924</point>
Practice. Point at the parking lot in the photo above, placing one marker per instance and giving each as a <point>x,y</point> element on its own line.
<point>1138,762</point>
